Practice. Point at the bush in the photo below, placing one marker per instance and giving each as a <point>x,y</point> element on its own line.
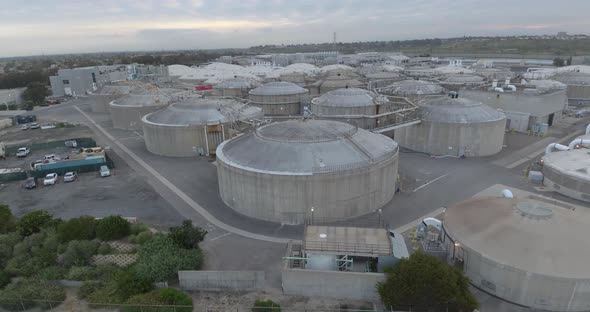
<point>33,253</point>
<point>141,238</point>
<point>7,220</point>
<point>4,279</point>
<point>35,290</point>
<point>162,297</point>
<point>82,228</point>
<point>79,253</point>
<point>33,222</point>
<point>51,273</point>
<point>137,228</point>
<point>187,236</point>
<point>118,288</point>
<point>81,273</point>
<point>160,259</point>
<point>112,227</point>
<point>105,249</point>
<point>266,306</point>
<point>7,243</point>
<point>88,288</point>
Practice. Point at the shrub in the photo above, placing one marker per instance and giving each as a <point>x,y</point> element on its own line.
<point>35,290</point>
<point>112,227</point>
<point>4,279</point>
<point>7,243</point>
<point>51,273</point>
<point>187,236</point>
<point>129,284</point>
<point>266,306</point>
<point>137,228</point>
<point>79,253</point>
<point>33,222</point>
<point>32,254</point>
<point>81,273</point>
<point>81,228</point>
<point>88,288</point>
<point>160,259</point>
<point>105,249</point>
<point>162,297</point>
<point>7,220</point>
<point>141,238</point>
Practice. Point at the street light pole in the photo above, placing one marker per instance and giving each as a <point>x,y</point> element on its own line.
<point>312,210</point>
<point>380,211</point>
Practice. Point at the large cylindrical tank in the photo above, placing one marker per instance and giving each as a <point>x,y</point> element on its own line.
<point>235,87</point>
<point>578,87</point>
<point>100,99</point>
<point>195,126</point>
<point>338,81</point>
<point>568,173</point>
<point>283,170</point>
<point>279,98</point>
<point>127,111</point>
<point>456,127</point>
<point>343,104</point>
<point>530,252</point>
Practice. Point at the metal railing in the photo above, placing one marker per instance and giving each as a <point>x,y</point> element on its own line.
<point>348,248</point>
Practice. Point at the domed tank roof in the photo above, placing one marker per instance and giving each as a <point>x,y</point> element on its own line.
<point>464,78</point>
<point>304,147</point>
<point>543,237</point>
<point>340,81</point>
<point>201,112</point>
<point>445,109</point>
<point>278,88</point>
<point>233,83</point>
<point>573,78</point>
<point>416,87</point>
<point>346,97</point>
<point>136,100</point>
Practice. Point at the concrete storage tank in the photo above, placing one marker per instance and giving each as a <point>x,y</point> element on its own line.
<point>195,126</point>
<point>346,102</point>
<point>414,89</point>
<point>530,252</point>
<point>283,170</point>
<point>568,172</point>
<point>279,98</point>
<point>455,126</point>
<point>127,111</point>
<point>335,82</point>
<point>578,87</point>
<point>100,99</point>
<point>232,87</point>
<point>457,81</point>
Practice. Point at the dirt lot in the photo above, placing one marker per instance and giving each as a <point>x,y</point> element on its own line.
<point>125,192</point>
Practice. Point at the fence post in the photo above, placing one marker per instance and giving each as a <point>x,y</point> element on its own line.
<point>22,304</point>
<point>50,305</point>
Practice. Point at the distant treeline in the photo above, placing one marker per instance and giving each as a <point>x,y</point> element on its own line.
<point>347,47</point>
<point>22,79</point>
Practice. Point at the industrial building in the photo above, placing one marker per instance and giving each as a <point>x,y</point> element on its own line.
<point>578,88</point>
<point>532,107</point>
<point>334,82</point>
<point>127,112</point>
<point>11,96</point>
<point>287,171</point>
<point>279,98</point>
<point>332,256</point>
<point>196,126</point>
<point>79,81</point>
<point>235,87</point>
<point>456,127</point>
<point>528,250</point>
<point>363,108</point>
<point>566,171</point>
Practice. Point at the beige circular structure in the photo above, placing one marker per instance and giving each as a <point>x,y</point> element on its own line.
<point>529,252</point>
<point>283,170</point>
<point>100,99</point>
<point>279,98</point>
<point>235,87</point>
<point>195,126</point>
<point>578,87</point>
<point>568,172</point>
<point>455,127</point>
<point>337,81</point>
<point>344,104</point>
<point>126,112</point>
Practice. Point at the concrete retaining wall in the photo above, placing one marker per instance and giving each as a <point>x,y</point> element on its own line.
<point>331,284</point>
<point>221,280</point>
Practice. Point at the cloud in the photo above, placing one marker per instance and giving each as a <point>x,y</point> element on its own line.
<point>108,25</point>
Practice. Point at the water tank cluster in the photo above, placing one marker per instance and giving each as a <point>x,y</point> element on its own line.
<point>279,98</point>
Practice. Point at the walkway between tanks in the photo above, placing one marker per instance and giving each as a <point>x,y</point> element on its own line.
<point>189,201</point>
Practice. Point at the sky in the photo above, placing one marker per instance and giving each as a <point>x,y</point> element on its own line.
<point>34,27</point>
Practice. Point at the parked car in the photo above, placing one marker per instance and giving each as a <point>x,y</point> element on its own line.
<point>70,176</point>
<point>35,126</point>
<point>23,152</point>
<point>31,183</point>
<point>25,127</point>
<point>51,157</point>
<point>50,179</point>
<point>104,171</point>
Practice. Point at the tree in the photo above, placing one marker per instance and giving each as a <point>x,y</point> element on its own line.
<point>7,220</point>
<point>36,93</point>
<point>424,282</point>
<point>187,236</point>
<point>558,62</point>
<point>81,228</point>
<point>112,227</point>
<point>33,222</point>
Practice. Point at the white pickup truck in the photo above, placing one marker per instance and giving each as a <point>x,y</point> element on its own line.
<point>23,152</point>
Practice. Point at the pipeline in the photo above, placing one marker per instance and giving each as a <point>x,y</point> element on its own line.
<point>555,146</point>
<point>506,193</point>
<point>588,129</point>
<point>576,142</point>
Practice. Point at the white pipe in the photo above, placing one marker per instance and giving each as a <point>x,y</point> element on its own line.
<point>578,142</point>
<point>506,193</point>
<point>434,222</point>
<point>512,87</point>
<point>555,146</point>
<point>588,129</point>
<point>499,90</point>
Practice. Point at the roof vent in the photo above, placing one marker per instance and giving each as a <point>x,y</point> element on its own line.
<point>534,210</point>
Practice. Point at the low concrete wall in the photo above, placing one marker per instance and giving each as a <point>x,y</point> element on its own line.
<point>331,284</point>
<point>5,123</point>
<point>221,280</point>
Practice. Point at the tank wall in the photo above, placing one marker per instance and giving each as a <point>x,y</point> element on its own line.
<point>231,92</point>
<point>365,123</point>
<point>99,103</point>
<point>279,104</point>
<point>129,118</point>
<point>526,288</point>
<point>289,198</point>
<point>474,140</point>
<point>578,92</point>
<point>174,141</point>
<point>566,184</point>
